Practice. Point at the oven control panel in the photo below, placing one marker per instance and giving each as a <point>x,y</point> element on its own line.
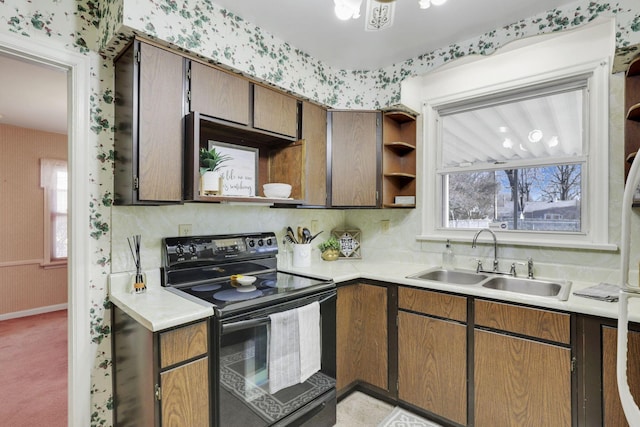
<point>217,248</point>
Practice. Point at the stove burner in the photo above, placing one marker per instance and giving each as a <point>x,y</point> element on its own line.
<point>269,283</point>
<point>235,295</point>
<point>246,288</point>
<point>205,288</point>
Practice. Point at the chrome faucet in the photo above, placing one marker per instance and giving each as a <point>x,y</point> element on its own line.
<point>495,246</point>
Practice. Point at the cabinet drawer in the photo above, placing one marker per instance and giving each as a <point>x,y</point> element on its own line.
<point>543,324</point>
<point>433,303</point>
<point>182,344</point>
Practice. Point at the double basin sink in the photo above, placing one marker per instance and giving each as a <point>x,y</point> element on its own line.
<point>559,290</point>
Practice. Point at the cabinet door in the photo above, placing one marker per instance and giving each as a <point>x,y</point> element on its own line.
<point>314,133</point>
<point>185,395</point>
<point>520,382</point>
<point>432,365</point>
<point>362,343</point>
<point>219,94</point>
<point>355,139</point>
<point>160,128</point>
<point>274,111</point>
<point>613,412</point>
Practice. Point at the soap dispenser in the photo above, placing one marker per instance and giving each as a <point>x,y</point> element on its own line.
<point>448,258</point>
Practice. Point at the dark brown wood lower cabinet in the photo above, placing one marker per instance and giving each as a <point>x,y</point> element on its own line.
<point>613,413</point>
<point>520,382</point>
<point>185,395</point>
<point>432,360</point>
<point>362,339</point>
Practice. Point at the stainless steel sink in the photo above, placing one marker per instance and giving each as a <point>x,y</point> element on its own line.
<point>559,290</point>
<point>556,289</point>
<point>455,277</point>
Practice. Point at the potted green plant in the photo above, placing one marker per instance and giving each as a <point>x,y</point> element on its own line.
<point>330,249</point>
<point>210,162</point>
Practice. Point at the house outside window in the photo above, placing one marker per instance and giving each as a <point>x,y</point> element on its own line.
<point>54,182</point>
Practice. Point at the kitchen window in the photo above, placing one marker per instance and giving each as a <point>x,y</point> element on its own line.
<point>53,180</point>
<point>515,161</point>
<point>518,141</point>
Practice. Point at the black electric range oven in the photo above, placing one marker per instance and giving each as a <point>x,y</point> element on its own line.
<point>205,269</point>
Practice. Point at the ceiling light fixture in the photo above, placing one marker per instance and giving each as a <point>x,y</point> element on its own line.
<point>376,13</point>
<point>347,9</point>
<point>425,4</point>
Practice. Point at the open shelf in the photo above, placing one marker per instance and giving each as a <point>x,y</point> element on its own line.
<point>400,175</point>
<point>279,159</point>
<point>400,147</point>
<point>634,68</point>
<point>634,113</point>
<point>398,156</point>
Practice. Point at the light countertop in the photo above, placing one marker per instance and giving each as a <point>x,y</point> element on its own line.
<point>159,309</point>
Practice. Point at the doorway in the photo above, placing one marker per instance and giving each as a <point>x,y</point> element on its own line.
<point>77,69</point>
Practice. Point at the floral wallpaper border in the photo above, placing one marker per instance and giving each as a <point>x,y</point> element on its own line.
<point>99,29</point>
<point>209,31</point>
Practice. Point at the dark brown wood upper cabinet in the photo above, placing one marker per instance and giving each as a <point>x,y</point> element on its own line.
<point>355,141</point>
<point>219,94</point>
<point>149,133</point>
<point>275,112</point>
<point>314,134</point>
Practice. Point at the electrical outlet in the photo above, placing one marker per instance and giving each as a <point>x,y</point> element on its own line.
<point>184,230</point>
<point>384,226</point>
<point>314,226</point>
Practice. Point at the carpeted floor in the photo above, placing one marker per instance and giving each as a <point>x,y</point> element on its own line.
<point>33,370</point>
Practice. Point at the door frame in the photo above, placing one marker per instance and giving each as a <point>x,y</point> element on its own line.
<point>80,359</point>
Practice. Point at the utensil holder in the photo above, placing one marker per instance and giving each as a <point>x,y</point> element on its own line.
<point>302,255</point>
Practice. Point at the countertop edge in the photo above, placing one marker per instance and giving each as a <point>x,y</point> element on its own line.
<point>158,309</point>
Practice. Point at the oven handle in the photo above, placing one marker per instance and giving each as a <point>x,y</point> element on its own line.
<point>251,323</point>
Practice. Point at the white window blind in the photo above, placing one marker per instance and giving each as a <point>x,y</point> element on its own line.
<point>538,126</point>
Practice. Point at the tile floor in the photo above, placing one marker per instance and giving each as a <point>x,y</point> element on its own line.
<point>361,410</point>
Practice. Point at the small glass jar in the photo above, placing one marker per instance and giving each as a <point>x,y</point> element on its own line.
<point>139,283</point>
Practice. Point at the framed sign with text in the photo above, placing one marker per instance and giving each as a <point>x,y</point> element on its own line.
<point>240,172</point>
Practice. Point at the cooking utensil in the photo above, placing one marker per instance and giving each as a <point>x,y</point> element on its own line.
<point>306,234</point>
<point>291,235</point>
<point>315,235</point>
<point>300,236</point>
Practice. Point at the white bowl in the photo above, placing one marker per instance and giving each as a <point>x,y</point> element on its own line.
<point>245,280</point>
<point>276,190</point>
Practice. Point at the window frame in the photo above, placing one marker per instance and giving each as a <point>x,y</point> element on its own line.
<point>516,68</point>
<point>49,215</point>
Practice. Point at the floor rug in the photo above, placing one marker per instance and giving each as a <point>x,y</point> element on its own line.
<point>234,368</point>
<point>401,418</point>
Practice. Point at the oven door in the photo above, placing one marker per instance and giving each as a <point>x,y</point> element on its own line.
<point>241,389</point>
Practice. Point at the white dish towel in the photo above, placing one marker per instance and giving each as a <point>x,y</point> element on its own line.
<point>310,351</point>
<point>284,350</point>
<point>294,346</point>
